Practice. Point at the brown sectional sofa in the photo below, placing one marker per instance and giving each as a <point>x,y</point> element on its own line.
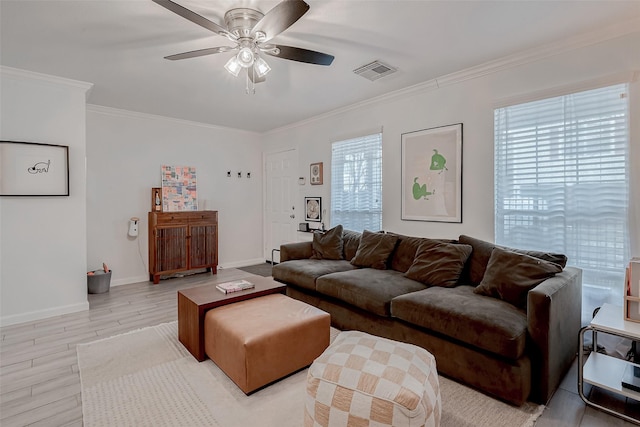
<point>511,341</point>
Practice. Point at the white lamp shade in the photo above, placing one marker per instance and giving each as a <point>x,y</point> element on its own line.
<point>245,57</point>
<point>261,67</point>
<point>233,66</point>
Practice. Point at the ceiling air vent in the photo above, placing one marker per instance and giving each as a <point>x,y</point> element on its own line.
<point>375,70</point>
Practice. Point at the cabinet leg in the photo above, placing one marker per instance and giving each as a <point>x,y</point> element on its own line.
<point>156,279</point>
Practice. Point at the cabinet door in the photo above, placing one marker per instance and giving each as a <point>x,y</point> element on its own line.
<point>203,249</point>
<point>171,248</point>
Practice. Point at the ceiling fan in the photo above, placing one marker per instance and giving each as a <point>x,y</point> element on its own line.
<point>250,30</point>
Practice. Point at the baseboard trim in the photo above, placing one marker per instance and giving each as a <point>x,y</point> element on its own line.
<point>130,280</point>
<point>243,263</point>
<point>43,314</point>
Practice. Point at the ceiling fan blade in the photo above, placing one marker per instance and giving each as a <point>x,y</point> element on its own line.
<point>300,55</point>
<point>254,76</point>
<point>200,52</point>
<point>281,17</point>
<point>195,18</point>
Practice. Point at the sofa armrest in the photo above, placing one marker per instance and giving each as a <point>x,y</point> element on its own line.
<point>554,310</point>
<point>297,250</point>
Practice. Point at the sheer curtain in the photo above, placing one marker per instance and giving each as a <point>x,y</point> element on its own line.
<point>356,183</point>
<point>561,184</point>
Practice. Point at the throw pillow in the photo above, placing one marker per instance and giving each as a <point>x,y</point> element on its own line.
<point>478,260</point>
<point>374,250</point>
<point>327,245</point>
<point>482,250</point>
<point>510,276</point>
<point>559,259</point>
<point>439,264</point>
<point>350,243</point>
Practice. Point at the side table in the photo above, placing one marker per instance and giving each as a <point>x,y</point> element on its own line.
<point>193,304</point>
<point>600,369</point>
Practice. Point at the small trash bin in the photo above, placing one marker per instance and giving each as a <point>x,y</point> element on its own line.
<point>99,282</point>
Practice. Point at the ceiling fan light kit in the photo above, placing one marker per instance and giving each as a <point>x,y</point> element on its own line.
<point>250,29</point>
<point>261,67</point>
<point>233,66</point>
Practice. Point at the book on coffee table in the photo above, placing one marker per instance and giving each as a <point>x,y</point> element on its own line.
<point>235,286</point>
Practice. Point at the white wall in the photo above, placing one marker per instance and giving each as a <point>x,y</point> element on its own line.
<point>125,151</point>
<point>471,102</point>
<point>43,239</point>
<point>48,244</point>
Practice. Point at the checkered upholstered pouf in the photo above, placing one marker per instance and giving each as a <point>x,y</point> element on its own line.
<point>366,381</point>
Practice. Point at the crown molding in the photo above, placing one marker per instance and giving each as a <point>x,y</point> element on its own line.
<point>401,93</point>
<point>46,78</point>
<point>629,76</point>
<point>118,112</point>
<point>541,52</point>
<point>521,58</point>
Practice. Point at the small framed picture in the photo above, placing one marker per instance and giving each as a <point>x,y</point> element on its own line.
<point>316,173</point>
<point>313,209</point>
<point>33,169</point>
<point>156,199</point>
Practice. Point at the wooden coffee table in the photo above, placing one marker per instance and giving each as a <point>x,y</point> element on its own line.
<point>193,303</point>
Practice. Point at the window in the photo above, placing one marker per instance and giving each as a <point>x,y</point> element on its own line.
<point>356,183</point>
<point>561,184</point>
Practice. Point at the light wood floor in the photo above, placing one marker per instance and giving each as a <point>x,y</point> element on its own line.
<point>40,384</point>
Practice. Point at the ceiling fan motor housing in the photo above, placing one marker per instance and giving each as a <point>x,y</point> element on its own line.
<point>240,21</point>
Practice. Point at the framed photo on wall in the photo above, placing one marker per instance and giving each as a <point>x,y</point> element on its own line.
<point>33,169</point>
<point>313,209</point>
<point>432,174</point>
<point>316,173</point>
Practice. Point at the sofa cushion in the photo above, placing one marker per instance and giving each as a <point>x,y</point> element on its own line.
<point>487,323</point>
<point>328,245</point>
<point>304,272</point>
<point>477,265</point>
<point>439,264</point>
<point>367,288</point>
<point>406,249</point>
<point>374,250</point>
<point>511,275</point>
<point>350,243</point>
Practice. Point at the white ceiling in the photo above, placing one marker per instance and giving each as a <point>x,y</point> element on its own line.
<point>119,45</point>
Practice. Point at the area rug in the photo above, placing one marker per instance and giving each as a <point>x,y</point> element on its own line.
<point>147,378</point>
<point>263,270</point>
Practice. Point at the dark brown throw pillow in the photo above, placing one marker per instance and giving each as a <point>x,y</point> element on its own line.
<point>327,245</point>
<point>350,243</point>
<point>439,264</point>
<point>559,259</point>
<point>477,265</point>
<point>374,250</point>
<point>510,276</point>
<point>478,260</point>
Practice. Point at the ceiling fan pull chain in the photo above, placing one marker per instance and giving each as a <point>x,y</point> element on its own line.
<point>251,90</point>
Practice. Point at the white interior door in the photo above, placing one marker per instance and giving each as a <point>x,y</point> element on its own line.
<point>281,218</point>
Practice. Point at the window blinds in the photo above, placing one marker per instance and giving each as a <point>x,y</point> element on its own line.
<point>356,183</point>
<point>561,181</point>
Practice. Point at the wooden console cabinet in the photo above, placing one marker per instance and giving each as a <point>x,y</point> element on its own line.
<point>181,241</point>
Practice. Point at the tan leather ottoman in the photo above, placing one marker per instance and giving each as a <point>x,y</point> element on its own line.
<point>261,340</point>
